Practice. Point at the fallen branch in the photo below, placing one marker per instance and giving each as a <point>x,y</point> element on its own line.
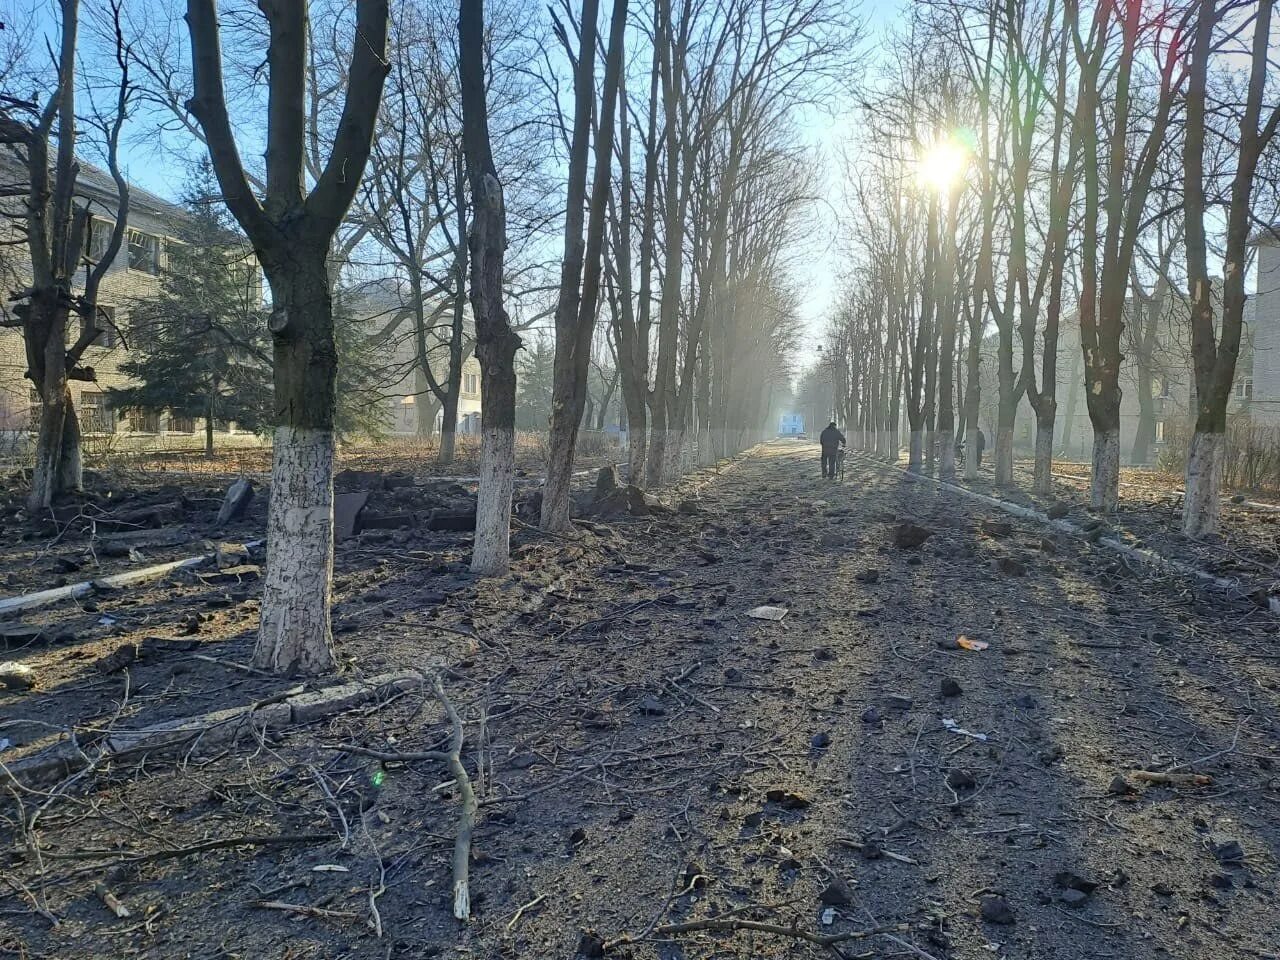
<point>303,910</point>
<point>1172,779</point>
<point>467,819</point>
<point>179,852</point>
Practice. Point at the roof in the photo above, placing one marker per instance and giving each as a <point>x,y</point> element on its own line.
<point>97,185</point>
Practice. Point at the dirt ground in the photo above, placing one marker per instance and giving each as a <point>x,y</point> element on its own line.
<point>649,756</point>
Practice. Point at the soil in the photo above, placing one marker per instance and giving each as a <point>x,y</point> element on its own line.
<point>950,747</point>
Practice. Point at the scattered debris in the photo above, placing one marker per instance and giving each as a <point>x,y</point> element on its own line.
<point>347,508</point>
<point>950,687</point>
<point>17,676</point>
<point>955,728</point>
<point>236,502</point>
<point>767,612</point>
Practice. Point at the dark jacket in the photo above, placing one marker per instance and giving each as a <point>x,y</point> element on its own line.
<point>830,438</point>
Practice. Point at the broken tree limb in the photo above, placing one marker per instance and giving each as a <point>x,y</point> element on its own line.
<point>467,819</point>
<point>1172,779</point>
<point>74,591</point>
<point>1139,555</point>
<point>470,807</point>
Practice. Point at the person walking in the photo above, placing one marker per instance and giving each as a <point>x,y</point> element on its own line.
<point>832,440</point>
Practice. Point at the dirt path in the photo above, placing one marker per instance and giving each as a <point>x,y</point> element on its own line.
<point>650,755</point>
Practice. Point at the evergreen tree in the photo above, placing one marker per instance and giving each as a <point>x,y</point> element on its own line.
<point>201,348</point>
<point>534,379</point>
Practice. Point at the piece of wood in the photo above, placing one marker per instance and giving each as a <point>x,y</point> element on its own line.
<point>347,508</point>
<point>1171,779</point>
<point>239,496</point>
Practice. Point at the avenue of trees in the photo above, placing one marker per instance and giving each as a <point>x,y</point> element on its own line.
<point>634,177</point>
<point>633,174</point>
<point>1038,168</point>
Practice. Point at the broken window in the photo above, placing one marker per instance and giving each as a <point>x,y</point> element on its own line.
<point>144,252</point>
<point>95,413</point>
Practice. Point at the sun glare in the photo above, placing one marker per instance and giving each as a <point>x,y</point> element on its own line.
<point>942,165</point>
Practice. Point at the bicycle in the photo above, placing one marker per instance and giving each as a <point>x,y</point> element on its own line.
<point>839,468</point>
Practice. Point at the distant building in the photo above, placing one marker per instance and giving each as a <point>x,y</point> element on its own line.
<point>134,275</point>
<point>791,425</point>
<point>1172,380</point>
<point>382,306</point>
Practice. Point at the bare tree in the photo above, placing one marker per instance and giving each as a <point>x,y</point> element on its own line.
<point>291,231</point>
<point>1215,351</point>
<point>496,343</point>
<point>1117,182</point>
<point>580,272</point>
<point>57,225</point>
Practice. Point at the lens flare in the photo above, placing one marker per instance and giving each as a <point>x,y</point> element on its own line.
<point>942,165</point>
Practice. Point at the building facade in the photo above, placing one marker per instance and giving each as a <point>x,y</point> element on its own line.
<point>133,277</point>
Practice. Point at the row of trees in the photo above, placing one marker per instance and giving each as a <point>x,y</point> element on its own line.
<point>1038,162</point>
<point>392,137</point>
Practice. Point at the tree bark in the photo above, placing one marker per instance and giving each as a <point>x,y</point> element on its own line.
<point>576,308</point>
<point>291,232</point>
<point>496,343</point>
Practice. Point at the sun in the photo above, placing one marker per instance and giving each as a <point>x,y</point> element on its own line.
<point>941,166</point>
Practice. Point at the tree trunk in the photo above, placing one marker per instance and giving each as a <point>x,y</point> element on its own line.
<point>46,476</point>
<point>1006,420</point>
<point>448,427</point>
<point>1146,434</point>
<point>1003,454</point>
<point>54,472</point>
<point>915,463</point>
<point>294,635</point>
<point>1042,479</point>
<point>71,459</point>
<point>1104,489</point>
<point>208,424</point>
<point>496,343</point>
<point>1201,505</point>
<point>425,407</point>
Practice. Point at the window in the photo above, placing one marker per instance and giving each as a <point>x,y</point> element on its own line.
<point>471,383</point>
<point>107,333</point>
<point>144,421</point>
<point>1160,387</point>
<point>95,413</point>
<point>96,237</point>
<point>1159,431</point>
<point>144,252</point>
<point>1244,388</point>
<point>181,424</point>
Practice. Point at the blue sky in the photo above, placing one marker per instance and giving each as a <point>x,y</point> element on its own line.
<point>162,164</point>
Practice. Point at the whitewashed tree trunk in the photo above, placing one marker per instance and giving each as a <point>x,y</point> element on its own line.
<point>1202,505</point>
<point>1104,489</point>
<point>915,460</point>
<point>706,449</point>
<point>947,454</point>
<point>46,474</point>
<point>1004,457</point>
<point>490,554</point>
<point>673,457</point>
<point>556,491</point>
<point>294,635</point>
<point>1042,480</point>
<point>892,454</point>
<point>971,452</point>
